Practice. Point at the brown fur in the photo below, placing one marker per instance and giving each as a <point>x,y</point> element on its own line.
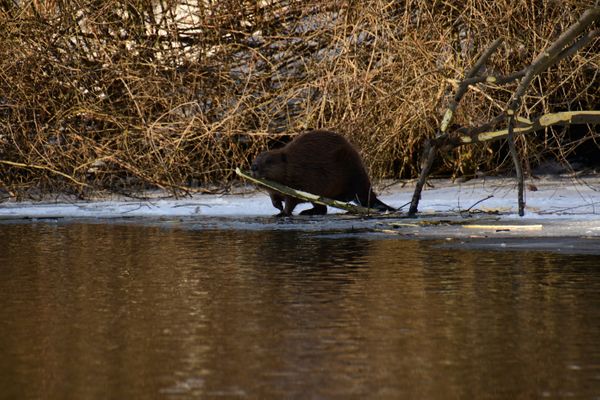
<point>319,162</point>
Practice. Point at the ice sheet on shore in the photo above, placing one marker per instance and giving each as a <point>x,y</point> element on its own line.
<point>559,208</point>
<point>554,197</point>
<point>562,215</point>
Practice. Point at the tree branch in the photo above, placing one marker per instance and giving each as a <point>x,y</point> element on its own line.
<point>463,86</point>
<point>567,44</point>
<point>21,165</point>
<point>305,195</point>
<point>432,146</point>
<point>476,135</point>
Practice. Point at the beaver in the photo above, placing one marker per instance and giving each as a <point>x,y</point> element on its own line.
<point>319,162</point>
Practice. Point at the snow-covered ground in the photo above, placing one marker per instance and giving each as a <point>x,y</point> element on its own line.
<point>563,206</point>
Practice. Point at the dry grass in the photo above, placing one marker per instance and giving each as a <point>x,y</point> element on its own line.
<point>122,96</point>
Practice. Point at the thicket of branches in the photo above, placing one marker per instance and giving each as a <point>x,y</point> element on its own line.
<point>123,95</point>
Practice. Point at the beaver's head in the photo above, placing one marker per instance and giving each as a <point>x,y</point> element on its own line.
<point>270,165</point>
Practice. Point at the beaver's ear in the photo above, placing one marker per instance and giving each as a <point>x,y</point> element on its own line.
<point>283,157</point>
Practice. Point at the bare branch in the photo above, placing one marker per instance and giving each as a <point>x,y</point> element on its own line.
<point>565,118</point>
<point>42,167</point>
<point>551,55</point>
<point>561,48</point>
<point>313,198</point>
<point>428,159</point>
<point>432,146</point>
<point>462,88</point>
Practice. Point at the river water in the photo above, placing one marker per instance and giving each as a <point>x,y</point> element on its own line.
<point>117,311</point>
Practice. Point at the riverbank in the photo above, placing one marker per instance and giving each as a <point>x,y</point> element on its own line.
<point>558,207</point>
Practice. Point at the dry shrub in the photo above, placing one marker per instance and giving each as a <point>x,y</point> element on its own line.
<point>128,95</point>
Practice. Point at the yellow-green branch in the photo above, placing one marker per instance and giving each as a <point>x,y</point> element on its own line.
<point>546,120</point>
<point>312,198</point>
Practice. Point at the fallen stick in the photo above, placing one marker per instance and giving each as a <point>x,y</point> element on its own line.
<point>312,198</point>
<point>537,227</point>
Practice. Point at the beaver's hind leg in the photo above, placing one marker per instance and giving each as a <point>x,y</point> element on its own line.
<point>318,209</point>
<point>290,204</point>
<point>277,201</point>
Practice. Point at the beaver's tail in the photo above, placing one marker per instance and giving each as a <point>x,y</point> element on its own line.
<point>380,205</point>
<point>373,202</point>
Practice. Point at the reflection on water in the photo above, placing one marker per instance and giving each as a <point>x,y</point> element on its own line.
<point>109,311</point>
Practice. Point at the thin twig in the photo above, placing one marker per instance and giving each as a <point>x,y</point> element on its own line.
<point>42,167</point>
<point>477,202</point>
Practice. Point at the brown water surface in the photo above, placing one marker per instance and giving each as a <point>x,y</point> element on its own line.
<point>109,311</point>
